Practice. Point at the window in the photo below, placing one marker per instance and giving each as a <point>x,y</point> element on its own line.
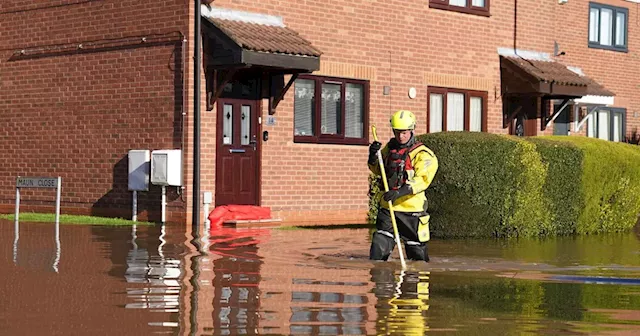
<point>478,7</point>
<point>607,124</point>
<point>608,27</point>
<point>331,110</point>
<point>456,110</point>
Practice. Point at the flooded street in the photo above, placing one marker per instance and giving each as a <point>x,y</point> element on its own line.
<point>157,280</point>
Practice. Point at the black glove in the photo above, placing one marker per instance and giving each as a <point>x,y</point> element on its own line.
<point>393,195</point>
<point>373,152</point>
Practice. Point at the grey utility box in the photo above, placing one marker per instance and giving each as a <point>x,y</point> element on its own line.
<point>139,167</point>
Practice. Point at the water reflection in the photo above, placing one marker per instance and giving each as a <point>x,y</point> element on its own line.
<point>403,301</point>
<point>159,274</point>
<point>255,291</point>
<point>38,256</point>
<point>226,284</point>
<point>236,282</point>
<point>142,280</point>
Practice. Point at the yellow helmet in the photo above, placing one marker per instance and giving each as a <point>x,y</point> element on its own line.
<point>403,120</point>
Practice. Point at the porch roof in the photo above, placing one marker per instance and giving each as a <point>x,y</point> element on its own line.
<point>546,78</point>
<point>254,39</point>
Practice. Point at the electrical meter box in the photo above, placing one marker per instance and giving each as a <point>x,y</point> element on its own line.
<point>166,167</point>
<point>139,162</point>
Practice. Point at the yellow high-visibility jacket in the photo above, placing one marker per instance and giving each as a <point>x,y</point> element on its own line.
<point>425,166</point>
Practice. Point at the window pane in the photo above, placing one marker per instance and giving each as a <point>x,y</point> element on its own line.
<point>478,3</point>
<point>461,3</point>
<point>245,125</point>
<point>331,103</point>
<point>435,113</point>
<point>304,106</point>
<point>621,29</point>
<point>594,23</point>
<point>227,124</point>
<point>475,122</point>
<point>591,125</point>
<point>617,127</point>
<point>455,111</point>
<point>606,26</point>
<point>603,125</point>
<point>354,111</point>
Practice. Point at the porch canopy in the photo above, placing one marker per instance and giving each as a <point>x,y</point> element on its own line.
<point>527,83</point>
<point>549,79</point>
<point>253,44</point>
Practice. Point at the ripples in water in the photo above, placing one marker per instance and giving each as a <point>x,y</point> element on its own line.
<point>311,282</point>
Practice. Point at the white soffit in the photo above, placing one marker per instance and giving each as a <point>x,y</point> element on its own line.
<point>526,54</point>
<point>595,100</point>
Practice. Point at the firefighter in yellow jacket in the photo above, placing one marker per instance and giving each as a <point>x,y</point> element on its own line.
<point>410,168</point>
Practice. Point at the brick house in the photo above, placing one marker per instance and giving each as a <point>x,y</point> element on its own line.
<point>83,82</point>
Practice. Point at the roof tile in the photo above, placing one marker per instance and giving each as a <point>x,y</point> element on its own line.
<point>550,71</point>
<point>265,38</point>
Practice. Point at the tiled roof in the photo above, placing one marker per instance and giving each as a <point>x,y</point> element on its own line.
<point>596,89</point>
<point>549,72</point>
<point>266,38</point>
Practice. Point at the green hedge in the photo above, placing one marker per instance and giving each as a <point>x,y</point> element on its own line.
<point>498,185</point>
<point>610,184</point>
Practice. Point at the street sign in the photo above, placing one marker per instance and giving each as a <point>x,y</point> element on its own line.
<point>37,182</point>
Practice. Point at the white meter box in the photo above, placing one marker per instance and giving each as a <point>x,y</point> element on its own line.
<point>139,163</point>
<point>166,167</point>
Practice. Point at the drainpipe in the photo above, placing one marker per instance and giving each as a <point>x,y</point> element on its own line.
<point>183,62</point>
<point>196,122</point>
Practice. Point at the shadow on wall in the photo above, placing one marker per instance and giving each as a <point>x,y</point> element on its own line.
<point>118,202</point>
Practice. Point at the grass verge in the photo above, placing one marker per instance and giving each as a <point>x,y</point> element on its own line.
<point>72,219</point>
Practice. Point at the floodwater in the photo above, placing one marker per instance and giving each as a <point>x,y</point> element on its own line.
<point>147,280</point>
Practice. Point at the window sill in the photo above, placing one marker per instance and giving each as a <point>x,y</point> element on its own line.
<point>605,47</point>
<point>465,10</point>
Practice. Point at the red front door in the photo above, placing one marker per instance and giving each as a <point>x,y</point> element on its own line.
<point>237,152</point>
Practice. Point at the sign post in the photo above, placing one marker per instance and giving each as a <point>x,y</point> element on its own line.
<point>39,182</point>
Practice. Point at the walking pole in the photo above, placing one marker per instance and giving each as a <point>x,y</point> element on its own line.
<point>386,188</point>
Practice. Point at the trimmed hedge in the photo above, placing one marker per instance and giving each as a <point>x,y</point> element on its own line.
<point>492,185</point>
<point>610,184</point>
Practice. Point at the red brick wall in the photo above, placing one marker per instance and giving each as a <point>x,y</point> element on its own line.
<point>618,71</point>
<point>77,112</point>
<point>406,44</point>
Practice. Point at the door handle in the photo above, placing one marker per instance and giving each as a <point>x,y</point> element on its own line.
<point>236,151</point>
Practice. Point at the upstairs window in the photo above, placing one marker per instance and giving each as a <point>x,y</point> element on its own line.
<point>456,110</point>
<point>331,110</point>
<point>478,7</point>
<point>608,27</point>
